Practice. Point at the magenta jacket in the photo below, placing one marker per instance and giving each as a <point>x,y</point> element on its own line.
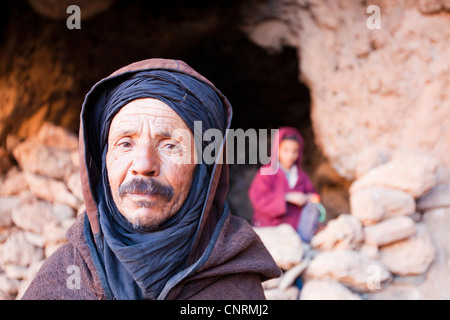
<point>267,192</point>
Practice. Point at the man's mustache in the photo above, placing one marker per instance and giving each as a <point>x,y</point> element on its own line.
<point>148,186</point>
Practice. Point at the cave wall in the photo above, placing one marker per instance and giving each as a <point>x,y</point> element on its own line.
<point>374,91</point>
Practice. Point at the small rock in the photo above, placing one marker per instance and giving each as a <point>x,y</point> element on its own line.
<point>326,290</point>
<point>32,216</point>
<point>62,211</point>
<point>57,137</point>
<point>343,233</point>
<point>35,239</point>
<point>51,190</point>
<point>283,243</point>
<point>17,250</point>
<point>412,256</point>
<point>351,268</point>
<point>271,283</point>
<point>390,230</point>
<point>375,204</point>
<point>40,159</point>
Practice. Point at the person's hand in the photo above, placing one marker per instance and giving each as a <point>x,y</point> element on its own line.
<point>297,198</point>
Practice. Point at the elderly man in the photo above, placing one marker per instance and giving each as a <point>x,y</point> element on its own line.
<point>157,224</point>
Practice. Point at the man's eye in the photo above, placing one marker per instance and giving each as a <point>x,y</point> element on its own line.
<point>171,147</point>
<point>125,144</point>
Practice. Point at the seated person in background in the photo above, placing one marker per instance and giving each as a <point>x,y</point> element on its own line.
<point>280,198</point>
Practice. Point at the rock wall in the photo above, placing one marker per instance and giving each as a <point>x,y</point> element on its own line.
<point>373,91</point>
<point>39,200</point>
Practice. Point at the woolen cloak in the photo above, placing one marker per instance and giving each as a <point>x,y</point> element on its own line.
<point>227,260</point>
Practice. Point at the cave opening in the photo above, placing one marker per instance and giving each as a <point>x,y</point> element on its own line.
<point>263,88</point>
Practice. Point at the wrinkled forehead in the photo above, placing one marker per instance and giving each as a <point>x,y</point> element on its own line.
<point>147,112</point>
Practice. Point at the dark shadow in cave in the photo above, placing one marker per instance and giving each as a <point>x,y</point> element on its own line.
<point>265,92</point>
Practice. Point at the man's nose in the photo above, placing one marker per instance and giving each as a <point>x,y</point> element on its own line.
<point>145,162</point>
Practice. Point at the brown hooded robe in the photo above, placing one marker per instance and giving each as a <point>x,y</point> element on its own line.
<point>227,260</point>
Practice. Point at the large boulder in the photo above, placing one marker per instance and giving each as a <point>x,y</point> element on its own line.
<point>377,203</point>
<point>343,233</point>
<point>412,256</point>
<point>389,231</point>
<point>410,172</point>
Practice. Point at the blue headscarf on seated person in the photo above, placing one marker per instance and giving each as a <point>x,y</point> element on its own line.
<point>139,262</point>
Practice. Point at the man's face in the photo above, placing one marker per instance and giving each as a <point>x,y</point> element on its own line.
<point>150,162</point>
